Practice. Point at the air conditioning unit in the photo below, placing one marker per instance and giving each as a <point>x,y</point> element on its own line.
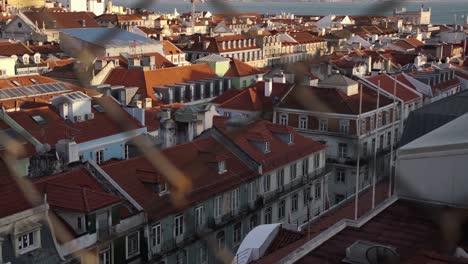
<point>90,116</point>
<point>78,118</point>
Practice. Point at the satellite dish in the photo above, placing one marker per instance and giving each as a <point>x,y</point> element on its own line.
<point>382,255</point>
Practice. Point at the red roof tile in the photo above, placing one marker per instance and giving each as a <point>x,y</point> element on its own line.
<point>12,199</point>
<point>62,20</point>
<point>239,68</point>
<point>387,83</point>
<point>254,99</point>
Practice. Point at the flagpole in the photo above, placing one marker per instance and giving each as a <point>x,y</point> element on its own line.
<point>392,140</point>
<point>358,132</point>
<point>376,124</point>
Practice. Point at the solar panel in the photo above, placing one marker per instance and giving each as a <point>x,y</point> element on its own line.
<point>33,90</point>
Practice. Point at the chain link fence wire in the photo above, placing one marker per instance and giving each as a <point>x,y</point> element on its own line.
<point>450,222</point>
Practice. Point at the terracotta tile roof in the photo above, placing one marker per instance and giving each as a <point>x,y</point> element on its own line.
<point>170,49</point>
<point>146,80</point>
<point>281,152</point>
<point>332,100</point>
<point>70,197</point>
<point>407,94</point>
<point>193,159</point>
<point>63,20</point>
<point>228,94</point>
<point>284,238</point>
<point>405,225</point>
<point>239,68</point>
<point>46,49</point>
<point>305,37</point>
<point>415,42</point>
<point>150,31</point>
<point>12,200</point>
<point>8,49</point>
<point>57,128</point>
<point>403,45</point>
<point>253,98</point>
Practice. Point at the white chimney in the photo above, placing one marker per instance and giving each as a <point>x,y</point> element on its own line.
<point>139,104</point>
<point>268,87</point>
<point>279,78</point>
<point>148,103</point>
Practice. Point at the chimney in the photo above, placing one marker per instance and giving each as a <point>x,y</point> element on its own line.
<point>139,104</point>
<point>268,87</point>
<point>259,78</point>
<point>83,22</point>
<point>279,78</point>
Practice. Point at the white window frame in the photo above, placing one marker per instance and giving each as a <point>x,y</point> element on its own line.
<point>179,225</point>
<point>303,122</point>
<point>267,147</point>
<point>323,125</point>
<point>268,212</point>
<point>340,176</point>
<point>202,253</point>
<point>252,191</point>
<point>283,119</point>
<point>294,202</point>
<point>317,160</point>
<point>267,183</point>
<point>156,235</point>
<point>344,126</point>
<point>342,150</point>
<point>280,178</point>
<point>235,199</point>
<point>126,152</point>
<point>128,254</point>
<point>318,190</point>
<point>218,208</point>
<point>237,236</point>
<point>293,171</point>
<point>99,156</point>
<point>23,241</point>
<point>281,209</point>
<point>200,216</point>
<point>104,252</point>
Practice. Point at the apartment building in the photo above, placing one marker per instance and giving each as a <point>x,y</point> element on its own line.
<point>329,114</point>
<point>239,178</point>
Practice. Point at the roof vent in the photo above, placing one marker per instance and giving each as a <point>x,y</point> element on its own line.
<point>364,252</point>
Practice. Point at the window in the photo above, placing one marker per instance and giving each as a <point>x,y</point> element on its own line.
<point>318,190</point>
<point>339,198</point>
<point>202,253</point>
<point>363,126</point>
<point>267,182</point>
<point>252,222</point>
<point>100,156</point>
<point>292,170</point>
<point>163,188</point>
<point>179,225</point>
<point>281,209</point>
<point>105,256</point>
<point>126,153</point>
<point>237,236</point>
<point>379,119</point>
<point>221,167</point>
<point>156,235</point>
<point>294,202</point>
<point>220,239</point>
<point>389,138</point>
<point>316,160</point>
<point>387,117</point>
<point>267,147</point>
<point>381,142</point>
<point>342,150</point>
<point>252,192</point>
<point>200,216</point>
<point>218,210</point>
<point>303,120</point>
<point>132,243</point>
<point>244,83</point>
<point>340,176</point>
<point>373,145</point>
<point>323,125</point>
<point>344,126</point>
<point>364,149</point>
<point>27,242</point>
<point>305,167</point>
<point>283,119</point>
<point>371,122</point>
<point>235,199</point>
<point>280,178</point>
<point>267,216</point>
<point>306,195</point>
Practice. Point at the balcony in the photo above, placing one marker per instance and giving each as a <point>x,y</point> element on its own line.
<point>349,161</point>
<point>281,190</point>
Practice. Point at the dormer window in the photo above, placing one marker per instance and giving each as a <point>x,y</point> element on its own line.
<point>267,147</point>
<point>290,139</point>
<point>163,188</point>
<point>221,167</point>
<point>28,241</point>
